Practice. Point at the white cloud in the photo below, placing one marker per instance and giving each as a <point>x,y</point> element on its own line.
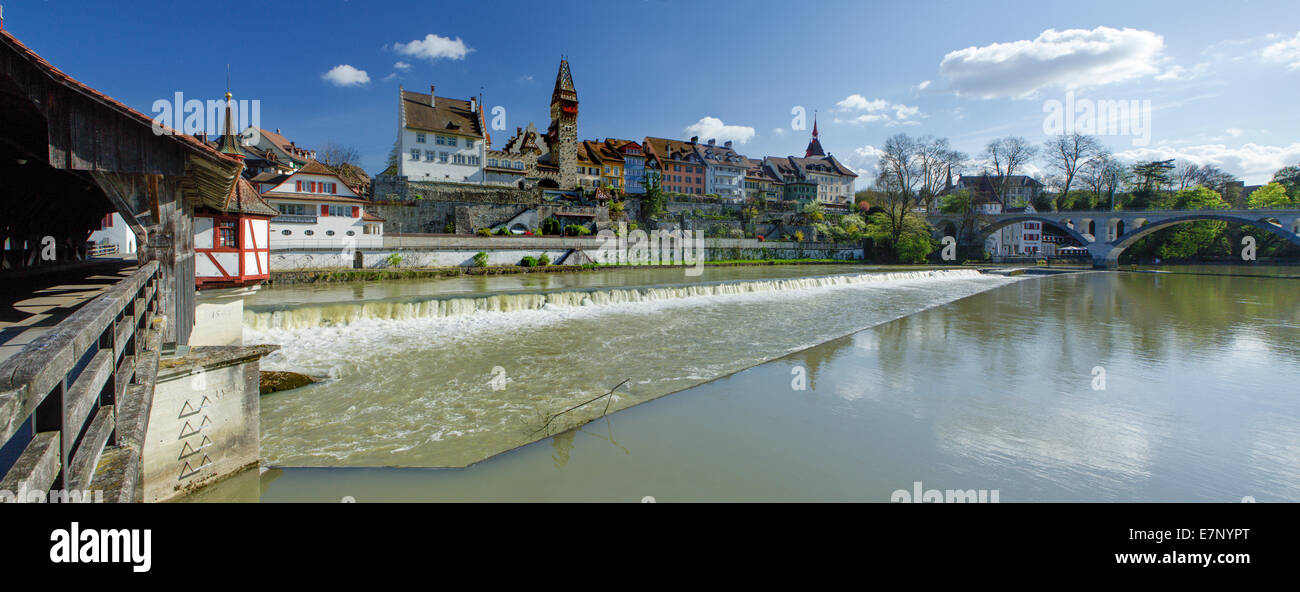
<point>1181,73</point>
<point>434,47</point>
<point>345,75</point>
<point>1254,163</point>
<point>389,77</point>
<point>526,78</point>
<point>1286,51</point>
<point>877,110</point>
<point>712,128</point>
<point>1074,58</point>
<point>1233,131</point>
<point>865,161</point>
<point>403,66</point>
<point>778,131</point>
<point>924,85</point>
<point>857,102</point>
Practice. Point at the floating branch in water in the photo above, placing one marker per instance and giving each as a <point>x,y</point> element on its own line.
<point>547,426</point>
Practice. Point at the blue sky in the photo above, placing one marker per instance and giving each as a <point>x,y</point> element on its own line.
<point>1222,79</point>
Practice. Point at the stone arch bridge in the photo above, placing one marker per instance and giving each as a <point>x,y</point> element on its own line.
<point>1107,233</point>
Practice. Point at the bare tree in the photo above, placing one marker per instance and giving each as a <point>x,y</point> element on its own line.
<point>333,154</point>
<point>1102,176</point>
<point>1007,156</point>
<point>1066,153</point>
<point>936,160</point>
<point>900,168</point>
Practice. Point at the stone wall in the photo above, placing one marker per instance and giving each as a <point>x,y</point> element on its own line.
<point>424,207</point>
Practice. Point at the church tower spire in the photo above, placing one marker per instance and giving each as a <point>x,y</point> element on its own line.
<point>814,146</point>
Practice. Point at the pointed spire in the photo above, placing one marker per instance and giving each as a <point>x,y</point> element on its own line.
<point>564,88</point>
<point>229,146</point>
<point>814,145</point>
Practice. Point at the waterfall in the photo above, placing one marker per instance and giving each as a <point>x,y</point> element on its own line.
<point>343,313</point>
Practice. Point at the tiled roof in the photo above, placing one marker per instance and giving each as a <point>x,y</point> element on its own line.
<point>295,152</point>
<point>369,217</point>
<point>444,115</point>
<point>719,154</point>
<point>244,199</point>
<point>676,150</point>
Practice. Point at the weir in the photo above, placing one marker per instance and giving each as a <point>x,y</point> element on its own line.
<point>317,315</point>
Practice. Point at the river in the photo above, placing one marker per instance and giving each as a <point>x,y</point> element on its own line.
<point>1112,386</point>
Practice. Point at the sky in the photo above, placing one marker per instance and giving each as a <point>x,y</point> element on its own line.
<point>1221,79</point>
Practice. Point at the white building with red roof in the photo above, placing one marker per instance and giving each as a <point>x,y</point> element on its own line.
<point>319,210</point>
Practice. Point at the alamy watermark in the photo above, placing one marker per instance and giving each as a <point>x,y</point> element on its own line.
<point>948,496</point>
<point>657,247</point>
<point>54,496</point>
<point>194,116</point>
<point>1099,118</point>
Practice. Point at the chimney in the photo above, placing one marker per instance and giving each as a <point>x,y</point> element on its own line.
<point>473,105</point>
<point>277,131</point>
<point>432,101</point>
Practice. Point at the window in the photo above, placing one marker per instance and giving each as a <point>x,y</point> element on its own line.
<point>415,154</point>
<point>419,138</point>
<point>442,157</point>
<point>294,209</point>
<point>345,211</point>
<point>329,233</point>
<point>428,155</point>
<point>451,141</point>
<point>308,232</point>
<point>351,233</point>
<point>227,234</point>
<point>286,232</point>
<point>469,143</point>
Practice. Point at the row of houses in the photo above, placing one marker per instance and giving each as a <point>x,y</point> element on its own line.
<point>446,140</point>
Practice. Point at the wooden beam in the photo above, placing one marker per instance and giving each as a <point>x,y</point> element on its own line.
<point>84,395</point>
<point>37,467</point>
<point>82,467</point>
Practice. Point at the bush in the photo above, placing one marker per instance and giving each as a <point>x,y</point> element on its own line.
<point>394,260</point>
<point>550,226</point>
<point>544,260</point>
<point>503,231</point>
<point>528,261</point>
<point>480,259</point>
<point>576,230</point>
<point>450,228</point>
<point>483,232</point>
<point>798,235</point>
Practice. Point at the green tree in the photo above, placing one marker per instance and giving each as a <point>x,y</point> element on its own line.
<point>1194,238</point>
<point>1273,195</point>
<point>905,232</point>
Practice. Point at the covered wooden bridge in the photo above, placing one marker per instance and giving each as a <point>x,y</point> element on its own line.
<point>74,403</point>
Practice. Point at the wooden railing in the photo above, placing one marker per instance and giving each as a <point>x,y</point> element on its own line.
<point>80,394</point>
<point>102,250</point>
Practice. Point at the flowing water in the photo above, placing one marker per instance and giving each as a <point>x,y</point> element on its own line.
<point>1082,387</point>
<point>445,378</point>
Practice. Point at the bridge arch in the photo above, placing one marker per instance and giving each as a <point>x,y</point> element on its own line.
<point>983,233</point>
<point>1124,241</point>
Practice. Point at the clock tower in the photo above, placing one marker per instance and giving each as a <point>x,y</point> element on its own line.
<point>562,136</point>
